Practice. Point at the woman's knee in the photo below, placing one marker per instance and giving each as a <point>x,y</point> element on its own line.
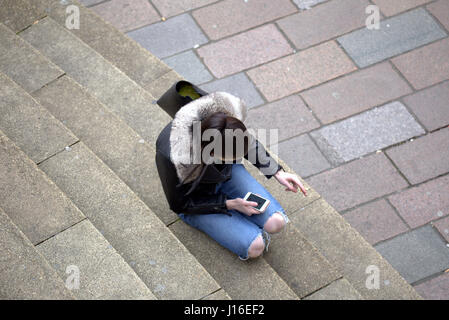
<point>256,248</point>
<point>275,223</point>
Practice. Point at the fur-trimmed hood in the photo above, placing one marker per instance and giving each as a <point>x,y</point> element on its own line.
<point>181,135</point>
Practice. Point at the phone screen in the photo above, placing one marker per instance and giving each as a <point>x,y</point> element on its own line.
<point>260,201</point>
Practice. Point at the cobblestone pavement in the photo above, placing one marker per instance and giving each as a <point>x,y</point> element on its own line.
<point>363,114</point>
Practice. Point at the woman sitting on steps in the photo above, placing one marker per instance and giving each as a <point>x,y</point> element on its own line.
<point>208,194</point>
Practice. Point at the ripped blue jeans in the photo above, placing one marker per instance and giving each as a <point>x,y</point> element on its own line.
<point>237,232</point>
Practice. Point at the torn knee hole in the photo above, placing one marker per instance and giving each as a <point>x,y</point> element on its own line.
<point>256,248</point>
<point>275,223</point>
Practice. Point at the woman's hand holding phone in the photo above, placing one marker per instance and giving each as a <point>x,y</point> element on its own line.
<point>243,206</point>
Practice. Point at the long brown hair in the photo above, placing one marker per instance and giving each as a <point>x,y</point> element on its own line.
<point>222,121</point>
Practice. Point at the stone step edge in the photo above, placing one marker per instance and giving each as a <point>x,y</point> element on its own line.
<point>41,258</point>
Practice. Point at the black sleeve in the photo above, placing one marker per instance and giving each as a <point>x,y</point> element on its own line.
<point>261,159</point>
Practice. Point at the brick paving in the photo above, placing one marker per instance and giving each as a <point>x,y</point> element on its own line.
<point>362,114</point>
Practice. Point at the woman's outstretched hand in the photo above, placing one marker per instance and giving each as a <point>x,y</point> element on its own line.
<point>243,206</point>
<point>290,181</point>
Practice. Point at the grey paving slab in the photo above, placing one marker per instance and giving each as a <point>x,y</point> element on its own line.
<point>23,64</point>
<point>103,274</point>
<point>114,142</point>
<point>431,106</point>
<point>90,2</point>
<point>251,279</point>
<point>25,273</point>
<point>301,265</point>
<point>146,244</point>
<point>443,227</point>
<point>345,248</point>
<point>219,295</point>
<point>395,36</point>
<point>169,37</point>
<point>126,54</point>
<point>238,85</point>
<point>302,155</point>
<point>99,77</point>
<point>367,132</point>
<point>337,290</point>
<point>30,199</point>
<point>170,8</point>
<point>416,254</point>
<point>29,125</point>
<point>189,66</point>
<point>19,14</point>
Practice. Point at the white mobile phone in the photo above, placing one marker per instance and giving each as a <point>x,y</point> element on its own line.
<point>262,203</point>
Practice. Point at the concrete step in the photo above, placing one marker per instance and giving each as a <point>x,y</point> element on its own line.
<point>337,290</point>
<point>32,201</point>
<point>25,274</point>
<point>349,252</point>
<point>253,279</point>
<point>103,274</point>
<point>20,114</point>
<point>24,64</point>
<point>18,14</point>
<point>112,140</point>
<point>136,62</point>
<point>99,77</point>
<point>145,243</point>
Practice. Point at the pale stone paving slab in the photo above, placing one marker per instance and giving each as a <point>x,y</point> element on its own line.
<point>390,8</point>
<point>238,85</point>
<point>424,203</point>
<point>307,4</point>
<point>189,67</point>
<point>103,272</point>
<point>169,37</point>
<point>324,22</point>
<point>302,155</point>
<point>357,182</point>
<point>424,158</point>
<point>289,116</point>
<point>431,106</point>
<point>19,14</point>
<point>376,221</point>
<point>228,17</point>
<point>433,66</point>
<point>372,130</point>
<point>395,36</point>
<point>245,50</point>
<point>25,273</point>
<point>301,70</point>
<point>126,15</point>
<point>31,200</point>
<point>23,64</point>
<point>416,254</point>
<point>356,92</point>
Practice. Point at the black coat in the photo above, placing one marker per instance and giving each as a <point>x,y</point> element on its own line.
<point>197,195</point>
